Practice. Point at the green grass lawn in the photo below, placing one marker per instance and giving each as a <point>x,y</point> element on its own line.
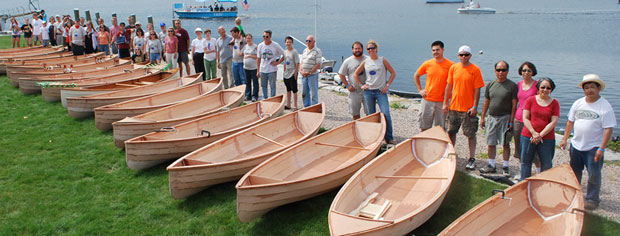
<point>64,176</point>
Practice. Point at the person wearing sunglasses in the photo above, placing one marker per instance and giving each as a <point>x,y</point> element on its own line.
<point>527,88</point>
<point>270,54</point>
<point>310,63</point>
<point>500,101</point>
<point>461,101</point>
<point>593,120</point>
<point>540,115</point>
<point>377,85</point>
<point>436,71</point>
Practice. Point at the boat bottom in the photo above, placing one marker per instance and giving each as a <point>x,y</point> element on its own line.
<point>141,165</point>
<point>79,114</point>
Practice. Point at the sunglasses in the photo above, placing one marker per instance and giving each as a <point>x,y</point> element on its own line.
<point>464,55</point>
<point>544,87</point>
<point>308,41</point>
<point>265,36</point>
<point>371,48</point>
<point>526,70</point>
<point>501,70</point>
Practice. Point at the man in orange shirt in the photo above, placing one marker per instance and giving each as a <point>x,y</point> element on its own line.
<point>436,71</point>
<point>461,100</point>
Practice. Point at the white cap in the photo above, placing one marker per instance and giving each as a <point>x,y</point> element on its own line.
<point>592,78</point>
<point>138,23</point>
<point>44,22</point>
<point>465,48</point>
<point>198,29</point>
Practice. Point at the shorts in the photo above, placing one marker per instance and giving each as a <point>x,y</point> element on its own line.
<point>37,37</point>
<point>356,101</point>
<point>154,57</point>
<point>470,123</point>
<point>27,35</point>
<point>183,57</point>
<point>291,84</point>
<point>498,130</point>
<point>15,36</point>
<point>431,114</point>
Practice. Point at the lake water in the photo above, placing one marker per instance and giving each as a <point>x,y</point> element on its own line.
<point>565,39</point>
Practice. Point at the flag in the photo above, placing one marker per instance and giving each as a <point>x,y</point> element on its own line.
<point>245,4</point>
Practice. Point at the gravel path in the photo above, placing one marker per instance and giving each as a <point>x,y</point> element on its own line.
<point>405,123</point>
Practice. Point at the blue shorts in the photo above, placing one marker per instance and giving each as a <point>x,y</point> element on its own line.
<point>155,56</point>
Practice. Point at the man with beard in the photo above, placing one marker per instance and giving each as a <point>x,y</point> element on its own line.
<point>346,73</point>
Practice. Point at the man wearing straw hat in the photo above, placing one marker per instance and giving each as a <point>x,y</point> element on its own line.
<point>593,120</point>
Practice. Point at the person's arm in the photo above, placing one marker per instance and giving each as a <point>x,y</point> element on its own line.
<point>549,127</point>
<point>567,130</point>
<point>359,70</point>
<point>390,69</point>
<point>474,110</point>
<point>512,113</point>
<point>485,108</point>
<point>601,149</point>
<point>418,84</point>
<point>297,65</point>
<point>446,98</point>
<point>193,51</point>
<point>528,125</point>
<point>258,59</point>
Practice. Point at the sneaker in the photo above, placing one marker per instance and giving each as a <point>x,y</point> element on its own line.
<point>591,205</point>
<point>471,164</point>
<point>506,171</point>
<point>390,142</point>
<point>488,169</point>
<point>517,177</point>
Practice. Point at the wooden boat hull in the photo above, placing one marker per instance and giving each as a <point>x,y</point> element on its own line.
<point>5,62</point>
<point>14,76</point>
<point>411,179</point>
<point>230,158</point>
<point>310,168</point>
<point>549,203</point>
<point>106,115</point>
<point>131,127</point>
<point>156,147</point>
<point>31,86</point>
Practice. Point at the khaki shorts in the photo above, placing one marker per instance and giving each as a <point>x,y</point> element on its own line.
<point>456,118</point>
<point>498,130</point>
<point>431,114</point>
<point>356,102</point>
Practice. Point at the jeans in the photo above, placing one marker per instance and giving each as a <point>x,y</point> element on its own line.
<point>545,150</point>
<point>114,48</point>
<point>373,96</point>
<point>104,48</point>
<point>579,159</point>
<point>210,68</point>
<point>268,78</point>
<point>310,90</point>
<point>251,85</point>
<point>238,73</point>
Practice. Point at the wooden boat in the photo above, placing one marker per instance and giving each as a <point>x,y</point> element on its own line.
<point>30,53</point>
<point>310,168</point>
<point>166,117</point>
<point>57,63</point>
<point>80,107</point>
<point>32,85</point>
<point>51,91</point>
<point>106,115</point>
<point>9,50</point>
<point>30,60</point>
<point>397,191</point>
<point>549,203</point>
<point>90,66</point>
<point>231,157</point>
<point>156,147</point>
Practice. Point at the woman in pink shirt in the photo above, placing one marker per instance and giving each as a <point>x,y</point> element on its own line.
<point>171,48</point>
<point>527,88</point>
<point>103,38</point>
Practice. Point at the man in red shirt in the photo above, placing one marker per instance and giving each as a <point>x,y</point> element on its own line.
<point>183,57</point>
<point>123,40</point>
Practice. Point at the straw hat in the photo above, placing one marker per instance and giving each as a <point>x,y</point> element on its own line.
<point>592,78</point>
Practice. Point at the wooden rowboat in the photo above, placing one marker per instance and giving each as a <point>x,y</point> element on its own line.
<point>549,203</point>
<point>29,60</point>
<point>32,85</point>
<point>106,115</point>
<point>80,107</point>
<point>166,117</point>
<point>231,157</point>
<point>156,147</point>
<point>30,53</point>
<point>397,191</point>
<point>55,63</point>
<point>310,168</point>
<point>90,66</point>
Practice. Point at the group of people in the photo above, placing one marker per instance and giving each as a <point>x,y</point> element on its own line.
<point>525,110</point>
<point>37,30</point>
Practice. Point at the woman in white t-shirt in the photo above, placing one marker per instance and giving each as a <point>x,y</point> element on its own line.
<point>198,53</point>
<point>249,65</point>
<point>139,46</point>
<point>210,50</point>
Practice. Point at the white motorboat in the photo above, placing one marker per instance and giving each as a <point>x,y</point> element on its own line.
<point>476,10</point>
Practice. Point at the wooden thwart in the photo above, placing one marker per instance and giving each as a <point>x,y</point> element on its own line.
<point>409,177</point>
<point>341,146</point>
<point>370,210</point>
<point>268,139</point>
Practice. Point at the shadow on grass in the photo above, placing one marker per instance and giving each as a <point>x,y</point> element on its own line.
<point>218,195</point>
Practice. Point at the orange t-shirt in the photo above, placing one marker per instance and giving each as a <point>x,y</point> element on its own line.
<point>464,81</point>
<point>102,38</point>
<point>436,78</point>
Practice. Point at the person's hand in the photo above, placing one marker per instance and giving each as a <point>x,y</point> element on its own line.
<point>351,88</point>
<point>599,155</point>
<point>482,123</point>
<point>563,145</point>
<point>365,87</point>
<point>274,63</point>
<point>423,93</point>
<point>472,111</point>
<point>445,108</point>
<point>219,66</point>
<point>385,89</point>
<point>257,74</point>
<point>176,56</point>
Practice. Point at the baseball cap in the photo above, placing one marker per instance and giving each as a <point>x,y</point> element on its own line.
<point>465,48</point>
<point>162,24</point>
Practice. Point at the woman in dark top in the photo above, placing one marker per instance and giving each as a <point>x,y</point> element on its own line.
<point>90,34</point>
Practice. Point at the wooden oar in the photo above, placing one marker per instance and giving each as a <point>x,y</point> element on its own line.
<point>268,139</point>
<point>341,146</point>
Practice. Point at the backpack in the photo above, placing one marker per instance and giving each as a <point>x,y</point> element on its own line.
<point>121,39</point>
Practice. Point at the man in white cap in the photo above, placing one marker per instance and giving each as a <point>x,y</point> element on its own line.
<point>593,120</point>
<point>461,100</point>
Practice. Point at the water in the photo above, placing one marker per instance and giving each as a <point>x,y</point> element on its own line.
<point>565,39</point>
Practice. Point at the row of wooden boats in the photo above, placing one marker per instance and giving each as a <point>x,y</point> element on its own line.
<point>279,159</point>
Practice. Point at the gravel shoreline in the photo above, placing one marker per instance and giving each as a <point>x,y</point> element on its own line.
<point>405,122</point>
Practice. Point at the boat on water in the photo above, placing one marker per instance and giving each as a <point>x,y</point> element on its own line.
<point>549,203</point>
<point>474,8</point>
<point>444,1</point>
<point>399,190</point>
<point>216,10</point>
